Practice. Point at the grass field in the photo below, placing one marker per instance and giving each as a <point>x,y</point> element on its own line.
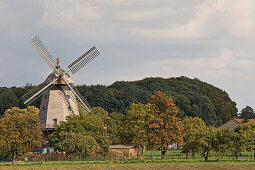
<point>175,160</point>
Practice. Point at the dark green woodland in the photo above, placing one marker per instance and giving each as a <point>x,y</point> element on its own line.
<point>192,96</point>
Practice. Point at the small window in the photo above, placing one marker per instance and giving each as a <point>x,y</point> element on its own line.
<point>45,97</point>
<point>55,121</point>
<point>68,97</point>
<point>69,107</point>
<point>43,109</point>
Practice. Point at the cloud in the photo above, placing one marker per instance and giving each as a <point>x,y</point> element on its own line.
<point>224,65</point>
<point>213,19</point>
<point>208,39</point>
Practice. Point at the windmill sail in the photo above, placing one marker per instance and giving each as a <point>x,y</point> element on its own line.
<point>83,60</point>
<point>42,50</point>
<point>36,92</point>
<point>60,98</point>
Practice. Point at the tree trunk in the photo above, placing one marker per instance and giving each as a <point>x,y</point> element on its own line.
<point>143,150</point>
<point>187,155</point>
<point>206,158</point>
<point>13,158</point>
<point>163,153</point>
<point>138,154</point>
<point>236,155</point>
<point>193,154</point>
<point>206,155</point>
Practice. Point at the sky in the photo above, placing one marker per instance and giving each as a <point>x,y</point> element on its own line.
<point>212,40</point>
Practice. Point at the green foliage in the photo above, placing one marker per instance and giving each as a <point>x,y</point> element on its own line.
<point>192,134</point>
<point>92,124</point>
<point>192,96</point>
<point>198,137</point>
<point>247,113</point>
<point>79,143</point>
<point>20,131</point>
<point>134,128</point>
<point>113,126</point>
<point>243,139</point>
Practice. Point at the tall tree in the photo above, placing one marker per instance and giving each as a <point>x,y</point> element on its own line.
<point>247,113</point>
<point>114,125</point>
<point>164,127</point>
<point>134,128</point>
<point>20,131</point>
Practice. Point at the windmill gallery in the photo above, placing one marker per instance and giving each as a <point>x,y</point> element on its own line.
<point>58,96</point>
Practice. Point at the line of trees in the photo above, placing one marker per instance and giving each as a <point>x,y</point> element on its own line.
<point>199,138</point>
<point>193,97</point>
<point>154,124</point>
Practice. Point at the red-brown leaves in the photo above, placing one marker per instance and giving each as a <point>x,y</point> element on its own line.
<point>164,126</point>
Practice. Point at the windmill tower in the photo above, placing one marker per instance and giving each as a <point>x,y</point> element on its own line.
<point>59,97</point>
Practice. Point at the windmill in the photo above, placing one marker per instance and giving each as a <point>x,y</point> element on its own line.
<point>59,97</point>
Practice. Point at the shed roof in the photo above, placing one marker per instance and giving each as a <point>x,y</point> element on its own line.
<point>241,120</point>
<point>120,146</point>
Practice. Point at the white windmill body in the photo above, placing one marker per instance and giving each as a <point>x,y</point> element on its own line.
<point>59,97</point>
<point>57,103</point>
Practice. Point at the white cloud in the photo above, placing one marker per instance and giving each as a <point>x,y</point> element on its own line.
<point>213,19</point>
<point>225,65</point>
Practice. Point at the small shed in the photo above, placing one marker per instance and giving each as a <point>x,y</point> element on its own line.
<point>126,150</point>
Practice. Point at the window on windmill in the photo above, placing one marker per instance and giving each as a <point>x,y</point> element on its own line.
<point>69,107</point>
<point>68,97</point>
<point>55,121</point>
<point>45,97</point>
<point>43,109</point>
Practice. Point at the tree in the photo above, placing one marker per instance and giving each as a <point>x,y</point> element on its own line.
<point>238,143</point>
<point>164,127</point>
<point>91,124</point>
<point>134,128</point>
<point>20,131</point>
<point>247,113</point>
<point>224,140</point>
<point>192,134</point>
<point>114,125</point>
<point>207,141</point>
<point>246,132</point>
<point>79,143</point>
<point>8,100</point>
<point>198,137</point>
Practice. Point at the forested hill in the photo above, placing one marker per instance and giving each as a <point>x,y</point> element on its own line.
<point>192,96</point>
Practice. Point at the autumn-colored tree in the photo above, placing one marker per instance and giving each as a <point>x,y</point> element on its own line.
<point>164,127</point>
<point>134,128</point>
<point>20,131</point>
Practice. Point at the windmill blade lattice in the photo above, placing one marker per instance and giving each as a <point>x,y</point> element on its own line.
<point>42,50</point>
<point>83,60</point>
<point>87,106</point>
<point>79,96</point>
<point>36,92</point>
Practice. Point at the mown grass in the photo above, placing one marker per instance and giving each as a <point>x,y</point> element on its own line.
<point>152,160</point>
